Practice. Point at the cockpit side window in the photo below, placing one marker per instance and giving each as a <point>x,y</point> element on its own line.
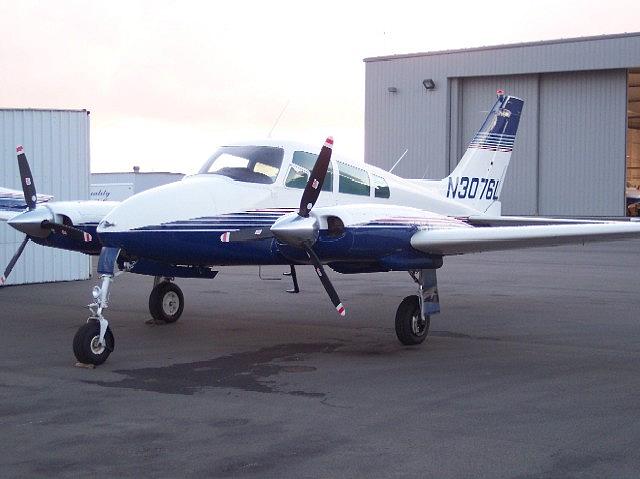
<point>250,164</point>
<point>380,187</point>
<point>354,180</point>
<point>301,165</point>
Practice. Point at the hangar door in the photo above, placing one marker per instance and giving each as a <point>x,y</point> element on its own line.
<point>475,98</point>
<point>582,143</point>
<point>569,155</point>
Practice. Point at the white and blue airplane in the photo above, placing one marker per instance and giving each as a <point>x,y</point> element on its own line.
<point>274,203</point>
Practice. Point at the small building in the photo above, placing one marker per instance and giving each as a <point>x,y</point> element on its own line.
<point>578,146</point>
<point>56,143</point>
<point>119,186</point>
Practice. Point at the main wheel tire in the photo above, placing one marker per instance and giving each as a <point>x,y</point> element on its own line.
<point>86,345</point>
<point>166,302</point>
<point>410,328</point>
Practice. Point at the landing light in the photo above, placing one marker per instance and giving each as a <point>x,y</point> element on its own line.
<point>95,292</point>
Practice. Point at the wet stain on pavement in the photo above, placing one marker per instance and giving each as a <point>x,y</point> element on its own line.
<point>250,371</point>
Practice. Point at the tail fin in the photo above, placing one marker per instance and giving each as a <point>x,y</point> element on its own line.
<point>478,178</point>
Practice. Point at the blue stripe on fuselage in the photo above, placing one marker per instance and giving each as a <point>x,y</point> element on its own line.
<point>204,247</point>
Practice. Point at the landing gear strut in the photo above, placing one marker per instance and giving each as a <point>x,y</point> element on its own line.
<point>94,342</point>
<point>166,300</point>
<point>413,316</point>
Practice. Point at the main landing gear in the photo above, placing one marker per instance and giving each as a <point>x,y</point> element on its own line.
<point>413,316</point>
<point>166,300</point>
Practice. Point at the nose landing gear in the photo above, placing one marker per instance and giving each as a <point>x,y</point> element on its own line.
<point>87,346</point>
<point>94,342</point>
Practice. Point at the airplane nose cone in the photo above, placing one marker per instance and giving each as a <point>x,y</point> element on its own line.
<point>30,222</point>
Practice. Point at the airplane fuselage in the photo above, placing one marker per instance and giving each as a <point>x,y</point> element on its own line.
<point>368,229</point>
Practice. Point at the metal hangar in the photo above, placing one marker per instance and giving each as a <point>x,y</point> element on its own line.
<point>56,143</point>
<point>578,146</point>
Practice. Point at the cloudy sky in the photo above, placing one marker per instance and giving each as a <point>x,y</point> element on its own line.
<point>168,81</point>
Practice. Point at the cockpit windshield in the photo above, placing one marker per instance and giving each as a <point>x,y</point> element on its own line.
<point>250,164</point>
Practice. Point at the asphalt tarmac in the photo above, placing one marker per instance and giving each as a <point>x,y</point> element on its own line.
<point>531,371</point>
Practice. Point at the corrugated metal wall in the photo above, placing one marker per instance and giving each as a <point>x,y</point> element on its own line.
<point>582,143</point>
<point>576,85</point>
<point>410,119</point>
<point>57,146</point>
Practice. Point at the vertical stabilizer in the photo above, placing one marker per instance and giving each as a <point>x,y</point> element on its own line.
<point>477,180</point>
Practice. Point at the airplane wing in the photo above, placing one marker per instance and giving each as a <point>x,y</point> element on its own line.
<point>483,220</point>
<point>6,215</point>
<point>477,239</point>
<point>12,202</point>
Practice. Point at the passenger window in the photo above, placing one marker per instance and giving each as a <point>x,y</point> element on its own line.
<point>380,187</point>
<point>301,165</point>
<point>354,180</point>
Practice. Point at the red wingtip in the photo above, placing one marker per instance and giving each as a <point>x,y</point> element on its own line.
<point>19,149</point>
<point>341,310</point>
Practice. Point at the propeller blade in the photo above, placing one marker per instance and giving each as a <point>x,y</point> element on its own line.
<point>326,282</point>
<point>318,174</point>
<point>13,261</point>
<point>28,187</point>
<point>73,233</point>
<point>246,234</point>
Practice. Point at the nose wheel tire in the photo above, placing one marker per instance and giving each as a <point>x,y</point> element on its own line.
<point>166,302</point>
<point>87,347</point>
<point>411,329</point>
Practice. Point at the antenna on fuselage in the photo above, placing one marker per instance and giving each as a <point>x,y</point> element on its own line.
<point>278,119</point>
<point>399,160</point>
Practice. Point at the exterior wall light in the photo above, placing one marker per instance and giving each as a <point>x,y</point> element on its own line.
<point>429,84</point>
<point>392,89</point>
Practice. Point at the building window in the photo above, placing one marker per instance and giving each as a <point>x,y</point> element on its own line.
<point>300,170</point>
<point>353,180</point>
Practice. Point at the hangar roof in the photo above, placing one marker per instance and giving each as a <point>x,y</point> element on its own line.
<point>506,46</point>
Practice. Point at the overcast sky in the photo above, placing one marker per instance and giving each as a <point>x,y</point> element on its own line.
<point>168,81</point>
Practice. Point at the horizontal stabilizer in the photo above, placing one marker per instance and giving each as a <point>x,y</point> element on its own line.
<point>476,240</point>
